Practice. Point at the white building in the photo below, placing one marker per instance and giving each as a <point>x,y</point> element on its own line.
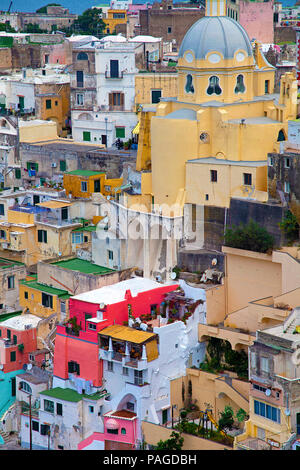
<point>114,113</point>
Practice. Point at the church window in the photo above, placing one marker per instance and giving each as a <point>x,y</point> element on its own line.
<point>189,88</point>
<point>240,87</point>
<point>214,87</point>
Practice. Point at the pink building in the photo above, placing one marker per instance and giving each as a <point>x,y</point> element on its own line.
<point>255,16</point>
<point>120,431</point>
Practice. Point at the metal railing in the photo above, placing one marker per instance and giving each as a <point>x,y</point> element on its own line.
<point>115,75</point>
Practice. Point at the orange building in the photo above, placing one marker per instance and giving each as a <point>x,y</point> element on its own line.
<point>83,183</point>
<point>114,18</point>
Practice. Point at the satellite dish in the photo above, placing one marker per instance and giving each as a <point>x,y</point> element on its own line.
<point>173,275</point>
<point>29,366</point>
<point>268,392</point>
<point>214,262</point>
<point>287,412</point>
<point>102,305</point>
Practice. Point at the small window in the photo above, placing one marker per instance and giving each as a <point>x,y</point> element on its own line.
<point>82,56</point>
<point>110,255</point>
<point>3,234</point>
<point>84,186</point>
<point>77,238</point>
<point>91,409</point>
<point>1,209</point>
<point>13,356</point>
<point>286,187</point>
<point>281,136</point>
<point>11,282</point>
<point>130,406</point>
<point>47,300</point>
<point>125,370</point>
<point>110,366</point>
<point>213,176</point>
<point>206,197</point>
<point>48,104</point>
<point>287,162</point>
<point>59,409</point>
<point>120,132</point>
<point>247,179</point>
<point>92,326</point>
<point>42,236</point>
<point>271,161</point>
<point>214,86</point>
<point>86,136</point>
<point>240,87</point>
<point>45,429</point>
<point>253,359</point>
<point>155,96</point>
<point>35,426</point>
<point>56,103</point>
<point>62,165</point>
<point>264,364</point>
<point>189,88</point>
<point>112,431</point>
<point>169,29</point>
<point>267,87</point>
<point>79,99</point>
<point>123,431</point>
<point>18,173</point>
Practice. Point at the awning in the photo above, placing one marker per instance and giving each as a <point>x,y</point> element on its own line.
<point>136,130</point>
<point>125,333</point>
<point>54,204</point>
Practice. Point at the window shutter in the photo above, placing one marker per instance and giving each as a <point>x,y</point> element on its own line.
<point>28,165</point>
<point>40,237</point>
<point>122,99</point>
<point>45,236</point>
<point>110,99</point>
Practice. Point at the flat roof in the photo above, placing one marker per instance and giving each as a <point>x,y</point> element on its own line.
<point>125,333</point>
<point>45,288</point>
<point>116,292</point>
<point>67,394</point>
<point>20,321</point>
<point>7,263</point>
<point>83,266</point>
<point>52,204</point>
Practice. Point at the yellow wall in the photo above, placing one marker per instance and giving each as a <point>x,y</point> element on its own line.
<point>72,184</point>
<point>34,302</point>
<point>146,82</point>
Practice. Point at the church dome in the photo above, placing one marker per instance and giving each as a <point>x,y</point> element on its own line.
<point>215,34</point>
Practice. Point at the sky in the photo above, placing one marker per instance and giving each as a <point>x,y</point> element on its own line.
<point>75,6</point>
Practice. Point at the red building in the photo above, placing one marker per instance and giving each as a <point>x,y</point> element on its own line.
<point>76,344</point>
<point>18,338</point>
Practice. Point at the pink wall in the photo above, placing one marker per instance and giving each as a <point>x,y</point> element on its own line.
<point>257,19</point>
<point>96,436</point>
<point>129,425</point>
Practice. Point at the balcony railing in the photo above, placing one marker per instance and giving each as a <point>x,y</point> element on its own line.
<point>114,75</point>
<point>47,219</point>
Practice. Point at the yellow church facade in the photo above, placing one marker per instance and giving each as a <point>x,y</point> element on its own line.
<point>225,110</point>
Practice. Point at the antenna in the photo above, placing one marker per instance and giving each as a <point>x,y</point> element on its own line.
<point>173,275</point>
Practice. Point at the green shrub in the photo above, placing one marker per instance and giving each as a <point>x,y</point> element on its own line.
<point>251,237</point>
<point>290,227</point>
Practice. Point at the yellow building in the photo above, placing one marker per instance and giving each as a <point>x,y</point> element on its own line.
<point>114,18</point>
<point>43,300</point>
<point>83,183</point>
<point>225,109</point>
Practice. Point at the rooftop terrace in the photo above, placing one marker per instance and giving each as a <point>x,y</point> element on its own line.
<point>83,266</point>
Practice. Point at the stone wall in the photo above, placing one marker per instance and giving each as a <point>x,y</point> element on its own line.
<point>284,34</point>
<point>199,260</point>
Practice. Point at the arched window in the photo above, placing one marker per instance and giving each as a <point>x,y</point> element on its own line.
<point>189,88</point>
<point>123,431</point>
<point>82,56</point>
<point>25,387</point>
<point>240,87</point>
<point>214,86</point>
<point>281,136</point>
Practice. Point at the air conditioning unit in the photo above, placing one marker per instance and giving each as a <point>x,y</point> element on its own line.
<point>54,165</point>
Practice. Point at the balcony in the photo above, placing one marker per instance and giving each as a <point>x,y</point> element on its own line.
<point>54,221</point>
<point>114,75</point>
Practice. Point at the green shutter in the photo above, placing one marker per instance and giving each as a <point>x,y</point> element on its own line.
<point>86,136</point>
<point>120,132</point>
<point>40,236</point>
<point>62,165</point>
<point>18,173</point>
<point>12,356</point>
<point>28,165</point>
<point>15,339</point>
<point>36,167</point>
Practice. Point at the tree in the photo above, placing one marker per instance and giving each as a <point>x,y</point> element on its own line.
<point>226,420</point>
<point>7,27</point>
<point>251,237</point>
<point>174,443</point>
<point>241,415</point>
<point>90,22</point>
<point>289,226</point>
